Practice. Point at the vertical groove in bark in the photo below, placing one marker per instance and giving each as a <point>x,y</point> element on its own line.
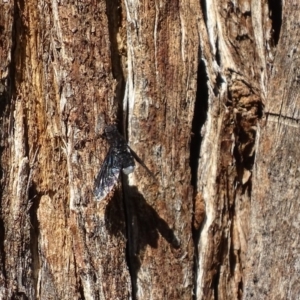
<point>6,68</point>
<point>117,32</point>
<point>116,22</point>
<point>199,119</point>
<point>275,8</point>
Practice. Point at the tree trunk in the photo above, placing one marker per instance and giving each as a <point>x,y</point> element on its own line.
<point>206,95</point>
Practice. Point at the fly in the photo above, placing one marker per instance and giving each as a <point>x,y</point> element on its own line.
<point>119,157</point>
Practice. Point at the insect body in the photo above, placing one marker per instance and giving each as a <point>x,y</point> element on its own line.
<point>119,157</point>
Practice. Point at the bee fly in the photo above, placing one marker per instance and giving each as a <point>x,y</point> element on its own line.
<point>119,157</point>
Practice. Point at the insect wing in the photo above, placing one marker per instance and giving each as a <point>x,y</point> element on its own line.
<point>136,157</point>
<point>108,176</point>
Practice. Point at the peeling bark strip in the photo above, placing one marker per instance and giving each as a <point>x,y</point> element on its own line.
<point>186,81</point>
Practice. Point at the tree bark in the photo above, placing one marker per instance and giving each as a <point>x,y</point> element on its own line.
<point>273,248</point>
<point>206,94</point>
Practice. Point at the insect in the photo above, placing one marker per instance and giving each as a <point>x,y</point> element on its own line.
<point>119,157</point>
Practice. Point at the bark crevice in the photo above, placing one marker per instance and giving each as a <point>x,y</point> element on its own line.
<point>204,11</point>
<point>276,17</point>
<point>3,104</point>
<point>199,119</point>
<point>114,17</point>
<point>2,248</point>
<point>117,34</point>
<point>35,197</point>
<point>132,261</point>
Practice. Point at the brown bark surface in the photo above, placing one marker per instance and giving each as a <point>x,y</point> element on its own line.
<point>274,245</point>
<point>206,93</point>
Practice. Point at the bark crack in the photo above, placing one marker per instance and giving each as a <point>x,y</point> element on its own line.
<point>282,119</point>
<point>276,17</point>
<point>118,37</point>
<point>199,119</point>
<point>130,240</point>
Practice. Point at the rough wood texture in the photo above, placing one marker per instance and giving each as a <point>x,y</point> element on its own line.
<point>186,82</point>
<point>236,69</point>
<point>58,243</point>
<point>273,251</point>
<point>161,93</point>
